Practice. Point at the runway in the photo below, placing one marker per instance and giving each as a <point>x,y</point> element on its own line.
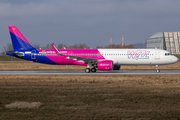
<point>78,72</point>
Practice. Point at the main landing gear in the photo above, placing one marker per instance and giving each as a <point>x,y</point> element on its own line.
<point>88,70</point>
<point>157,69</point>
<point>93,69</point>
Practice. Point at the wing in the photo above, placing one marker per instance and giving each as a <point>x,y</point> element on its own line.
<point>83,59</point>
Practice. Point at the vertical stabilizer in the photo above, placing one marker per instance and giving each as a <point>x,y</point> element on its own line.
<point>19,42</point>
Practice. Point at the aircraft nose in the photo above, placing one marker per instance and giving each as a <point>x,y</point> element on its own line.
<point>175,59</point>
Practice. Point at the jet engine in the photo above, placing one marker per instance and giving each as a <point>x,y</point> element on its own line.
<point>106,65</point>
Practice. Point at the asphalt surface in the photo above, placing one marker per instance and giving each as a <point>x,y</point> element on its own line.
<point>78,72</point>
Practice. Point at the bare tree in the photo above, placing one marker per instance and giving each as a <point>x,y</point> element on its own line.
<point>36,46</point>
<point>75,46</point>
<point>8,47</point>
<point>83,45</point>
<point>61,46</point>
<point>99,47</point>
<point>48,46</point>
<point>79,46</point>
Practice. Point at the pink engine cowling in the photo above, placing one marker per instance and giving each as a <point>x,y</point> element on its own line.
<point>106,65</point>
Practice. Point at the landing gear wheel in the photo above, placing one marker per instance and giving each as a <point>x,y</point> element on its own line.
<point>87,70</point>
<point>93,70</point>
<point>158,71</point>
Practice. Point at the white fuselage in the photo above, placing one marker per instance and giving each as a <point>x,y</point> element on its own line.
<point>138,56</point>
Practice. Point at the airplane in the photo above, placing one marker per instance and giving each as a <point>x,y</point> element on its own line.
<point>94,59</point>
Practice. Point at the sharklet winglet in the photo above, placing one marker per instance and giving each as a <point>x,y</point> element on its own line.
<point>56,50</point>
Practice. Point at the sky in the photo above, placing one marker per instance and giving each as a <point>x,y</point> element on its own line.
<point>87,21</point>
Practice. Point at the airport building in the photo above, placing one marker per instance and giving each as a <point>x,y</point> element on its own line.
<point>169,41</point>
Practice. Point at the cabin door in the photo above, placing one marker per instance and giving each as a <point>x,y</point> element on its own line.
<point>157,54</point>
<point>33,54</point>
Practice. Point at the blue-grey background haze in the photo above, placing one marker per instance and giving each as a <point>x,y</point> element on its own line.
<point>87,21</point>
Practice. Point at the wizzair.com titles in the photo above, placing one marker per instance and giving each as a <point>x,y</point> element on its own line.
<point>138,54</point>
<point>52,52</point>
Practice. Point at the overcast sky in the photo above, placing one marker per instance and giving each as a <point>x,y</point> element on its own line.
<point>87,21</point>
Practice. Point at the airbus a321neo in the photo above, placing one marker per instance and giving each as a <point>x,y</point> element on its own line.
<point>101,59</point>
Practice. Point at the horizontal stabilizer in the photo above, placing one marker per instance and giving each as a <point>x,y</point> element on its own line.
<point>20,54</point>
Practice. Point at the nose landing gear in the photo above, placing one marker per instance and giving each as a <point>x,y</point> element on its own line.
<point>157,69</point>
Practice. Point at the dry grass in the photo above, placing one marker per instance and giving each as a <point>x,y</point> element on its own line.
<point>92,97</point>
<point>20,104</point>
<point>39,66</point>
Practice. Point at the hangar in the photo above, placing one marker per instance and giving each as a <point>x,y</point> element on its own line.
<point>169,41</point>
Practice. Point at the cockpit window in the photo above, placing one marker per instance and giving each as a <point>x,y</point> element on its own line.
<point>167,54</point>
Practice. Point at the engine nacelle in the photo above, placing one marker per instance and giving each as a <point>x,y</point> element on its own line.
<point>116,67</point>
<point>106,65</point>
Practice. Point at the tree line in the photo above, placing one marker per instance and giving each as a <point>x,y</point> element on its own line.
<point>64,46</point>
<point>116,46</point>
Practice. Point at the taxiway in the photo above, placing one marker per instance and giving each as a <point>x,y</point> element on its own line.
<point>81,72</point>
